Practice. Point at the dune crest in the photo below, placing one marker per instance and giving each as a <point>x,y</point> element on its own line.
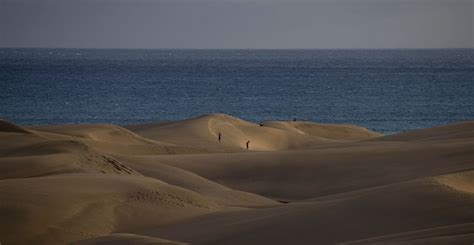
<point>204,131</point>
<point>97,132</point>
<point>326,131</point>
<point>7,127</point>
<point>463,130</point>
<point>463,181</point>
<point>58,156</point>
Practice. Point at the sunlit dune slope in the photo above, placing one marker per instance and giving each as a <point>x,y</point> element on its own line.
<point>268,136</point>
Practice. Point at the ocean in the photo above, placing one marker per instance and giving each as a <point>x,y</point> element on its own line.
<point>384,90</point>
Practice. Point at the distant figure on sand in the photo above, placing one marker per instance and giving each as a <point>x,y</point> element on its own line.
<point>220,136</point>
<point>294,119</point>
<point>248,142</point>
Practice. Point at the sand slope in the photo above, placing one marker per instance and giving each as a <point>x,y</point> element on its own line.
<point>409,211</point>
<point>327,131</point>
<point>464,130</point>
<point>309,173</point>
<point>111,139</point>
<point>62,208</point>
<point>124,238</point>
<point>175,183</point>
<point>148,166</point>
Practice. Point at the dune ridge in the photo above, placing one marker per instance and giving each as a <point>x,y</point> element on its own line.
<point>7,127</point>
<point>175,183</point>
<point>235,132</point>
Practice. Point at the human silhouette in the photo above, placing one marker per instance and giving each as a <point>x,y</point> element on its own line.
<point>248,142</point>
<point>220,136</point>
<point>294,119</point>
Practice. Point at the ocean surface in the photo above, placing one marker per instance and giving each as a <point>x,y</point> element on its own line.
<point>385,90</point>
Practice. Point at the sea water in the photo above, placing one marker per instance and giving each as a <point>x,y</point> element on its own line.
<point>385,90</point>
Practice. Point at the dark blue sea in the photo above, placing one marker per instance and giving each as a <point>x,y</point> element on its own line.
<point>384,90</point>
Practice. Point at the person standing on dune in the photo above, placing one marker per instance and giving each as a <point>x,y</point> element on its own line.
<point>248,142</point>
<point>220,136</point>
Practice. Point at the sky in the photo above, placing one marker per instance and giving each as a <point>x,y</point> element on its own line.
<point>228,24</point>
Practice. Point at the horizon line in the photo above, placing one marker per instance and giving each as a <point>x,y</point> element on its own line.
<point>84,48</point>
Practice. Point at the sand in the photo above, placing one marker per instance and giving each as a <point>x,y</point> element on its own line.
<point>176,183</point>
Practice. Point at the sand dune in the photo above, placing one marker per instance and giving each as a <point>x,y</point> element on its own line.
<point>7,127</point>
<point>191,181</point>
<point>309,173</point>
<point>175,183</point>
<point>62,208</point>
<point>268,136</point>
<point>112,139</point>
<point>49,157</point>
<point>97,132</point>
<point>393,209</point>
<point>464,130</point>
<point>327,131</point>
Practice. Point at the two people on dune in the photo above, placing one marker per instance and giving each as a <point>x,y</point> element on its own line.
<point>219,137</point>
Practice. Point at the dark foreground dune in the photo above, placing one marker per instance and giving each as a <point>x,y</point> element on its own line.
<point>175,183</point>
